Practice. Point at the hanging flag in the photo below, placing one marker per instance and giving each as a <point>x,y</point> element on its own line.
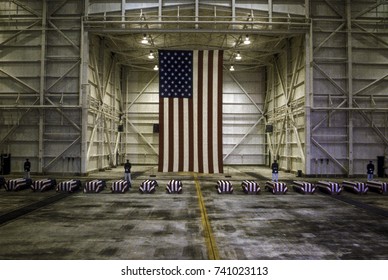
<point>190,111</point>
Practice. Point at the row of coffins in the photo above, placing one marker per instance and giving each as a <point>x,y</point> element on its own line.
<point>176,186</point>
<point>353,186</point>
<point>121,186</point>
<point>251,187</point>
<point>147,186</point>
<point>41,185</point>
<point>94,186</point>
<point>333,188</point>
<point>336,188</point>
<point>72,185</point>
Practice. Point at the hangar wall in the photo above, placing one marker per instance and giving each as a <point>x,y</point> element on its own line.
<point>243,117</point>
<point>285,106</point>
<point>40,62</point>
<point>61,102</point>
<point>348,67</point>
<point>104,106</point>
<point>141,103</point>
<point>243,125</point>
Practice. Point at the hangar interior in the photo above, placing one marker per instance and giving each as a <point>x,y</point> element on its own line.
<point>314,74</point>
<point>304,82</point>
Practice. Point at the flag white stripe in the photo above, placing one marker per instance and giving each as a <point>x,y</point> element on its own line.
<point>166,133</point>
<point>215,112</point>
<point>176,134</point>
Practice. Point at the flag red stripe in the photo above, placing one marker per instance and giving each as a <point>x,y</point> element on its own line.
<point>171,134</point>
<point>181,131</point>
<point>210,112</point>
<point>191,135</point>
<point>200,112</point>
<point>219,103</point>
<point>161,133</point>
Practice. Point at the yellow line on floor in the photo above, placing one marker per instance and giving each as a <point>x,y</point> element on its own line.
<point>209,238</point>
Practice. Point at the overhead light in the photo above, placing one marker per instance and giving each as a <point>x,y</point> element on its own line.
<point>156,68</point>
<point>247,41</point>
<point>145,39</point>
<point>231,68</point>
<point>238,56</point>
<point>151,55</point>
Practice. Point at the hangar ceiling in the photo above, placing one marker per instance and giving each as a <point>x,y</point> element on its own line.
<point>199,25</point>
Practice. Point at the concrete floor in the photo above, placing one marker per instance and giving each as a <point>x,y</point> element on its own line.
<point>198,224</point>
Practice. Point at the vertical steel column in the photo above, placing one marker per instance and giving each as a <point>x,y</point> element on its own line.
<point>124,90</point>
<point>350,85</point>
<point>122,10</point>
<point>100,65</point>
<point>196,12</point>
<point>287,92</point>
<point>116,111</point>
<point>308,89</point>
<point>160,14</point>
<point>274,154</point>
<point>270,11</point>
<point>42,85</point>
<point>233,10</point>
<point>84,90</point>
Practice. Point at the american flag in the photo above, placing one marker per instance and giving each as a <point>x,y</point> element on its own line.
<point>190,111</point>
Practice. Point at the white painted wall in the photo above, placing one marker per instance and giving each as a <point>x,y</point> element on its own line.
<point>105,106</point>
<point>240,115</point>
<point>285,106</point>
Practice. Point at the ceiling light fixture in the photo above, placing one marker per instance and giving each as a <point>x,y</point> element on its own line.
<point>247,41</point>
<point>238,56</point>
<point>145,40</point>
<point>231,68</point>
<point>156,68</point>
<point>151,55</point>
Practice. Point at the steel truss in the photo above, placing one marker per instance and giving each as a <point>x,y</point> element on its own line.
<point>42,87</point>
<point>349,101</point>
